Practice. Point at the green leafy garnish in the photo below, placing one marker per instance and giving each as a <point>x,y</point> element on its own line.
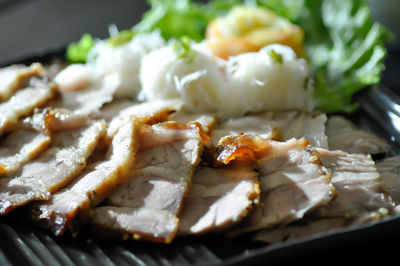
<point>344,47</point>
<point>276,57</point>
<point>347,55</point>
<point>182,47</point>
<point>122,37</point>
<point>175,19</point>
<point>78,52</point>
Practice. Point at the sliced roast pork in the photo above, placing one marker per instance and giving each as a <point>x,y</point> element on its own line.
<point>52,170</point>
<point>346,136</point>
<point>111,110</point>
<point>358,185</point>
<point>148,204</point>
<point>361,197</point>
<point>206,120</point>
<point>37,94</point>
<point>293,183</point>
<point>20,146</point>
<point>218,199</point>
<point>389,168</point>
<point>13,77</point>
<point>95,183</point>
<point>90,100</point>
<point>148,112</point>
<point>277,125</point>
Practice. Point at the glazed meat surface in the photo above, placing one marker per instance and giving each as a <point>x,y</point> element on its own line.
<point>277,125</point>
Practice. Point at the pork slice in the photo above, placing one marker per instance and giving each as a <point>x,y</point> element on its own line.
<point>37,94</point>
<point>20,147</point>
<point>361,197</point>
<point>346,136</point>
<point>13,77</point>
<point>291,232</point>
<point>252,125</point>
<point>218,199</point>
<point>111,110</point>
<point>358,184</point>
<point>293,183</point>
<point>389,169</point>
<point>156,187</point>
<point>148,112</point>
<point>206,120</point>
<point>52,170</point>
<point>282,125</point>
<point>90,100</point>
<point>95,184</point>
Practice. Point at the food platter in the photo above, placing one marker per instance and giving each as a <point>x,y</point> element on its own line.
<point>24,244</point>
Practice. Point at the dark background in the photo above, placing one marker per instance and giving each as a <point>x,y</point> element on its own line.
<point>32,26</point>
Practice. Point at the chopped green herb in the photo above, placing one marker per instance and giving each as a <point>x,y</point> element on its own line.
<point>276,57</point>
<point>123,37</point>
<point>77,52</point>
<point>182,48</point>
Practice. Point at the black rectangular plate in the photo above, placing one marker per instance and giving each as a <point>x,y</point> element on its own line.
<point>23,244</point>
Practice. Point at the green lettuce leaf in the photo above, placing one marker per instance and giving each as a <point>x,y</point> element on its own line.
<point>346,51</point>
<point>175,18</point>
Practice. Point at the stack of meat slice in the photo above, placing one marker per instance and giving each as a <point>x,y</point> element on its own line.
<point>50,145</point>
<point>218,199</point>
<point>147,205</point>
<point>293,181</point>
<point>93,184</point>
<point>277,125</point>
<point>52,169</point>
<point>152,171</point>
<point>361,197</point>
